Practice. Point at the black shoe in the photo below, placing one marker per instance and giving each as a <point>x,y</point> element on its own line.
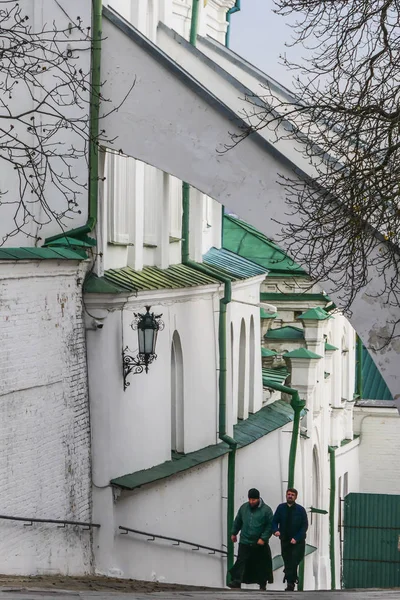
<point>263,588</point>
<point>290,587</point>
<point>234,585</point>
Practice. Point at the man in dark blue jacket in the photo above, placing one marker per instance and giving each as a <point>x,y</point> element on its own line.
<point>290,524</point>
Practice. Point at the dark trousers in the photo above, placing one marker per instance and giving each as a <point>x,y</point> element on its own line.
<point>253,565</point>
<point>292,555</point>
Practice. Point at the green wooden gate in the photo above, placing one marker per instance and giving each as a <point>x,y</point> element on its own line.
<point>371,545</point>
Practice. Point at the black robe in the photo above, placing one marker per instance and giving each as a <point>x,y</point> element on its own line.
<point>253,565</point>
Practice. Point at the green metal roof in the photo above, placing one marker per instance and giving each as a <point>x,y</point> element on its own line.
<point>315,314</point>
<point>247,241</point>
<point>285,333</point>
<point>329,347</point>
<point>69,242</point>
<point>274,376</point>
<point>219,263</point>
<point>373,385</point>
<point>232,264</point>
<point>246,432</point>
<point>267,315</point>
<point>259,424</point>
<point>266,352</point>
<point>100,285</point>
<point>42,254</point>
<point>301,353</point>
<point>150,278</point>
<point>276,297</point>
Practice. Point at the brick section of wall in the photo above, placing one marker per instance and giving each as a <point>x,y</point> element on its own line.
<point>379,453</point>
<point>44,419</point>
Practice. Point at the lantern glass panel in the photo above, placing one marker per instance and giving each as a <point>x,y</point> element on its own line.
<point>141,341</point>
<point>149,341</point>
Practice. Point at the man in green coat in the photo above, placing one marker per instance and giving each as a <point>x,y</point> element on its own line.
<point>254,561</point>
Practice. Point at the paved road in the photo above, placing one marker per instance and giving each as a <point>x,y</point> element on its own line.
<point>14,593</point>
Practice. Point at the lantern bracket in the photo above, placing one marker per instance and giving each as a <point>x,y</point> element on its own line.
<point>141,361</point>
<point>135,364</point>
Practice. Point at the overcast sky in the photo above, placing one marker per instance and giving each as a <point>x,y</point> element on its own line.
<point>259,35</point>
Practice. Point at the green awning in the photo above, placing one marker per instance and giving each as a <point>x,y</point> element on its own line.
<point>42,253</point>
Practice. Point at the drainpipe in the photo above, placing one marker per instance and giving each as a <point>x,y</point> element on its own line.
<point>300,585</point>
<point>93,128</point>
<point>297,406</point>
<point>332,498</point>
<point>224,301</point>
<point>230,12</point>
<point>359,379</point>
<point>194,22</point>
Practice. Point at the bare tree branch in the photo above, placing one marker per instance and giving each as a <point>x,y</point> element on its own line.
<point>345,115</point>
<point>45,93</point>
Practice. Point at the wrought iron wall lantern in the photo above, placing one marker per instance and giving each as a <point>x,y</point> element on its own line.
<point>147,325</point>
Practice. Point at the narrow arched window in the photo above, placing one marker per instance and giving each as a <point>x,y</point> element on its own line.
<point>251,367</point>
<point>232,369</point>
<point>177,395</point>
<point>345,369</point>
<point>242,371</point>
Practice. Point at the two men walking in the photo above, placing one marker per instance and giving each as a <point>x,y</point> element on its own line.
<point>257,523</point>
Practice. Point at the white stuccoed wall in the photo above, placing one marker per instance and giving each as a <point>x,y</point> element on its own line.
<point>125,422</point>
<point>132,428</point>
<point>191,506</point>
<point>44,424</point>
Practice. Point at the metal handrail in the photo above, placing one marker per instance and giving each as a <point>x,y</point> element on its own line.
<point>30,520</point>
<point>177,541</point>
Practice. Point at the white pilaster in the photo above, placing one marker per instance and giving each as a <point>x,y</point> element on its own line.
<point>135,253</point>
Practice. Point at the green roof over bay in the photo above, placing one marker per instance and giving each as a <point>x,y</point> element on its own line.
<point>329,347</point>
<point>274,376</point>
<point>266,352</point>
<point>301,353</point>
<point>315,314</point>
<point>245,240</point>
<point>267,315</point>
<point>285,333</point>
<point>278,297</point>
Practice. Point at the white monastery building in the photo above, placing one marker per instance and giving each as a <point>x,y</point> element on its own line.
<point>258,379</point>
